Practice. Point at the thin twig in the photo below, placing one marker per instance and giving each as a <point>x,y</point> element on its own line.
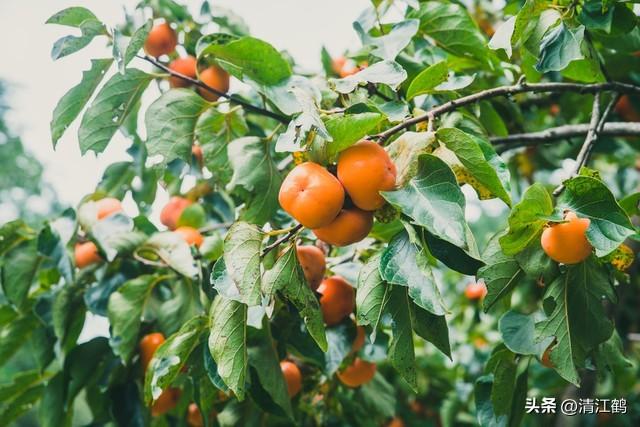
<point>233,98</point>
<point>520,87</point>
<point>504,143</point>
<point>282,239</point>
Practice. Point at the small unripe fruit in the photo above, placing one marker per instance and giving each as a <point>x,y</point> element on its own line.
<point>172,211</point>
<point>313,264</point>
<point>216,78</point>
<point>337,301</point>
<point>108,206</point>
<point>86,254</point>
<point>567,242</point>
<point>311,195</point>
<point>475,291</point>
<point>190,235</point>
<point>162,40</point>
<point>350,226</point>
<point>185,66</point>
<point>364,170</point>
<point>292,376</point>
<point>358,373</point>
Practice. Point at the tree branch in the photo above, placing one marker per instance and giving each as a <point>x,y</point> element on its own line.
<point>520,87</point>
<point>233,98</point>
<point>282,239</point>
<point>518,140</point>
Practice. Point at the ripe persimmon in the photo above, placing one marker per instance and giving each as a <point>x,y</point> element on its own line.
<point>108,206</point>
<point>358,343</point>
<point>350,226</point>
<point>345,67</point>
<point>313,264</point>
<point>194,416</point>
<point>311,195</point>
<point>196,151</point>
<point>364,170</point>
<point>86,254</point>
<point>190,235</point>
<point>625,109</point>
<point>171,212</point>
<point>186,66</point>
<point>162,40</point>
<point>395,422</point>
<point>567,242</point>
<point>165,402</point>
<point>216,78</point>
<point>475,291</point>
<point>292,376</point>
<point>148,346</point>
<point>546,357</point>
<point>337,300</point>
<point>358,373</point>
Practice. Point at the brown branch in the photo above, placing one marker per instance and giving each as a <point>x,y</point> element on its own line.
<point>232,98</point>
<point>520,87</point>
<point>282,239</point>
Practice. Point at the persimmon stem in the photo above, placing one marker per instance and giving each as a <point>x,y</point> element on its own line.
<point>520,87</point>
<point>233,98</point>
<point>290,234</point>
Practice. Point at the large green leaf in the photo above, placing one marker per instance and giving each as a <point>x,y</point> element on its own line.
<point>527,219</point>
<point>434,200</point>
<point>500,276</point>
<point>372,295</point>
<point>386,72</point>
<point>18,268</point>
<point>404,263</point>
<point>171,356</point>
<point>14,334</point>
<point>256,173</point>
<point>589,197</point>
<point>431,327</point>
<point>171,122</point>
<point>228,342</point>
<point>125,309</point>
<point>251,57</point>
<point>576,318</point>
<point>13,233</point>
<point>469,150</point>
<point>110,108</point>
<point>518,333</point>
<point>242,247</point>
<point>401,351</point>
<point>559,47</point>
<point>172,249</point>
<point>348,129</point>
<point>68,315</point>
<point>428,79</point>
<point>70,105</point>
<point>389,45</point>
<point>77,17</point>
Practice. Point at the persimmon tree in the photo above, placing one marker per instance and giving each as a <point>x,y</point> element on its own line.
<point>433,228</point>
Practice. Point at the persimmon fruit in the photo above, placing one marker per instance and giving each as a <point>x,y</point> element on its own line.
<point>162,40</point>
<point>337,300</point>
<point>190,235</point>
<point>196,151</point>
<point>358,343</point>
<point>86,254</point>
<point>475,291</point>
<point>567,242</point>
<point>194,417</point>
<point>313,264</point>
<point>364,170</point>
<point>186,66</point>
<point>148,346</point>
<point>350,226</point>
<point>292,376</point>
<point>395,422</point>
<point>625,109</point>
<point>216,78</point>
<point>108,206</point>
<point>311,195</point>
<point>171,212</point>
<point>358,373</point>
<point>165,402</point>
<point>546,358</point>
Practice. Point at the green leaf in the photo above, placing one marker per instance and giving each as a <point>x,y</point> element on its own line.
<point>501,39</point>
<point>348,129</point>
<point>288,278</point>
<point>401,352</point>
<point>527,219</point>
<point>14,334</point>
<point>433,200</point>
<point>82,365</point>
<point>72,17</point>
<point>518,333</point>
<point>115,235</point>
<point>527,20</point>
<point>372,295</point>
<point>255,171</point>
<point>504,368</point>
<point>13,233</point>
<point>404,263</point>
<point>229,20</point>
<point>255,59</point>
<point>389,45</point>
<point>500,277</point>
<point>125,309</point>
<point>405,151</point>
<point>596,16</point>
<point>589,197</point>
<point>68,314</point>
<point>171,356</point>
<point>228,342</point>
<point>479,159</point>
<point>463,261</point>
<point>576,317</point>
<point>631,204</point>
<point>18,268</point>
<point>171,122</point>
<point>451,27</point>
<point>70,105</point>
<point>77,17</point>
<point>136,42</point>
<point>193,215</point>
<point>51,410</point>
<point>242,247</point>
<point>431,327</point>
<point>428,79</point>
<point>110,108</point>
<point>386,72</point>
<point>173,250</point>
<point>559,47</point>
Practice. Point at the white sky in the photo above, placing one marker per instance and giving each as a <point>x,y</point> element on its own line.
<point>299,26</point>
